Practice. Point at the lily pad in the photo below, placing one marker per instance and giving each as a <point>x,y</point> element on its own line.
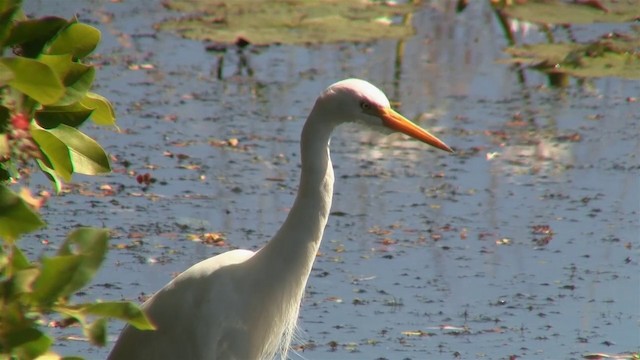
<point>605,58</point>
<point>287,22</point>
<point>583,12</point>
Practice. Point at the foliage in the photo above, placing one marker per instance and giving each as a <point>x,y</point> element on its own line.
<point>29,292</point>
<point>614,54</point>
<point>44,97</point>
<point>606,57</point>
<point>288,22</point>
<point>575,12</point>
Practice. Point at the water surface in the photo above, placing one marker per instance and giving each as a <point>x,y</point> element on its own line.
<point>525,242</point>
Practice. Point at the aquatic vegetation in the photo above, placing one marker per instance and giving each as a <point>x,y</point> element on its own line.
<point>287,22</point>
<point>611,54</point>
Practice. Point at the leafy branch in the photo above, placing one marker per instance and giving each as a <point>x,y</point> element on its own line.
<point>44,98</point>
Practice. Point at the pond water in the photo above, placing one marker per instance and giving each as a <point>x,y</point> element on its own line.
<point>524,242</point>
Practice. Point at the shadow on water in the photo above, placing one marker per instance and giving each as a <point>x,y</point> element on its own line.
<point>522,244</point>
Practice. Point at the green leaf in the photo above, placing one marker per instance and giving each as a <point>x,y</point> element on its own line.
<point>71,115</point>
<point>97,332</point>
<point>86,241</point>
<point>18,260</point>
<point>55,276</point>
<point>77,39</point>
<point>5,116</point>
<point>5,146</point>
<point>103,113</point>
<point>27,343</point>
<point>7,11</point>
<point>32,35</point>
<point>23,280</point>
<point>77,78</point>
<point>55,150</point>
<point>122,310</point>
<point>125,311</point>
<point>35,79</point>
<point>90,246</point>
<point>50,174</point>
<point>16,217</point>
<point>9,4</point>
<point>86,154</point>
<point>4,174</point>
<point>6,74</point>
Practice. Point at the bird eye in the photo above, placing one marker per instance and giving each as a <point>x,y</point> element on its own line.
<point>365,105</point>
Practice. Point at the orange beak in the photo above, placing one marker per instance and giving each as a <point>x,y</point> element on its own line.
<point>393,120</point>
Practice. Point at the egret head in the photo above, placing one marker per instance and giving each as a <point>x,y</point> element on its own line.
<point>355,100</point>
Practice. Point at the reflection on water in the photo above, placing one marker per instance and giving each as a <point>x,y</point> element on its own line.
<point>419,239</point>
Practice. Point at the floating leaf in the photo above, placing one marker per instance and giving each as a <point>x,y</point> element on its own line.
<point>583,12</point>
<point>16,217</point>
<point>600,59</point>
<point>288,22</point>
<point>35,79</point>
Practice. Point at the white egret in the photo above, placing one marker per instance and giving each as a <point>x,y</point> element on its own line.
<point>244,305</point>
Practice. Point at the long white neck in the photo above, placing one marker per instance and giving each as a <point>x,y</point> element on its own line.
<point>297,241</point>
<point>282,267</point>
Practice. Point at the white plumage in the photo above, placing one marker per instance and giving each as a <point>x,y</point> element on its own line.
<point>244,305</point>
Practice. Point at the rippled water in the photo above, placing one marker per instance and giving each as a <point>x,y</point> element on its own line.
<point>525,242</point>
